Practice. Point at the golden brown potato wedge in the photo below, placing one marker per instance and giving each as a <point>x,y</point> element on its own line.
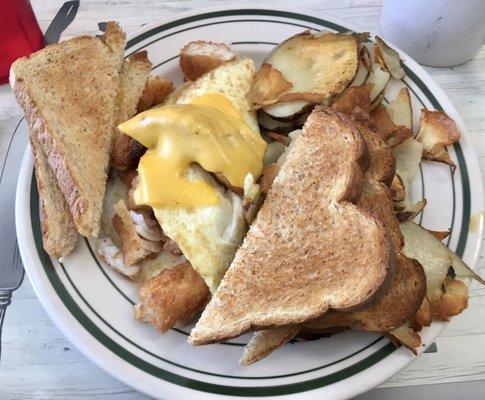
<point>155,92</point>
<point>200,56</point>
<point>171,298</point>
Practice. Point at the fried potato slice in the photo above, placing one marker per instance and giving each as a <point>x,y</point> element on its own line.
<point>383,122</point>
<point>397,188</point>
<point>355,101</point>
<point>318,66</point>
<point>113,257</point>
<point>406,336</point>
<point>389,59</point>
<point>172,298</point>
<point>134,247</point>
<point>440,235</point>
<point>378,78</point>
<point>400,110</point>
<point>268,123</point>
<point>400,135</point>
<point>116,189</point>
<point>365,66</point>
<point>410,213</point>
<point>451,300</point>
<point>423,316</point>
<point>126,152</point>
<point>268,87</point>
<point>267,177</point>
<point>288,111</point>
<point>436,260</point>
<point>225,182</point>
<point>265,342</point>
<point>408,157</point>
<point>200,56</point>
<point>436,131</point>
<point>285,140</point>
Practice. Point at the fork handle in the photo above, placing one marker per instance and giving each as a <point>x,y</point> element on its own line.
<point>5,299</point>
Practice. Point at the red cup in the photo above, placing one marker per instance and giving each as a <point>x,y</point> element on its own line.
<point>20,34</point>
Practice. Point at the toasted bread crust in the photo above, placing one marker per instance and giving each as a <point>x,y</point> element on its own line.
<point>305,231</point>
<point>65,179</point>
<point>59,234</point>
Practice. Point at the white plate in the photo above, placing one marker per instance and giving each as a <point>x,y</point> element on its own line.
<point>93,305</point>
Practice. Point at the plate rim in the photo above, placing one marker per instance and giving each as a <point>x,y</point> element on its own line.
<point>32,258</point>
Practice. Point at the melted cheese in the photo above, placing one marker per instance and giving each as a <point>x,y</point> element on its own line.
<point>209,131</point>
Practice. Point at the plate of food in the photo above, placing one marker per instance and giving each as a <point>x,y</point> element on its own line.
<point>244,203</point>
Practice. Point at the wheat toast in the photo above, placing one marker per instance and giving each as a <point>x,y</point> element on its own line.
<point>310,248</point>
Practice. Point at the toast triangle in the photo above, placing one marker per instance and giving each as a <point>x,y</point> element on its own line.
<point>310,248</point>
<point>68,92</point>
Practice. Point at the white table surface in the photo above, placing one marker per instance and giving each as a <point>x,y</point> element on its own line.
<point>38,362</point>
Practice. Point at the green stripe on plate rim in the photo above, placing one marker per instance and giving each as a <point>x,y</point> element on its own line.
<point>223,389</point>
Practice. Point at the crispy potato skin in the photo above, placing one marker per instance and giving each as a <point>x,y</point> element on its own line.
<point>354,101</point>
<point>172,298</point>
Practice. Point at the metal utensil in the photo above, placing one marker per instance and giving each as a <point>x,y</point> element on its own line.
<point>11,269</point>
<point>61,21</point>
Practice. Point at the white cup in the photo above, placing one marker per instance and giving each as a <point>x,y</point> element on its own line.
<point>437,33</point>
